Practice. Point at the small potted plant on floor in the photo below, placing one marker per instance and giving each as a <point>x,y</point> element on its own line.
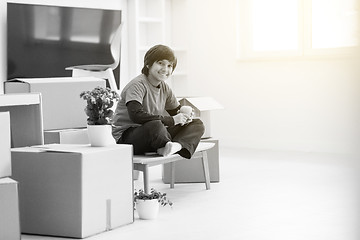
<point>147,204</point>
<point>99,103</point>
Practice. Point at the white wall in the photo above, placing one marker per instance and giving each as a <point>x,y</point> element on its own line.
<point>108,4</point>
<point>303,105</point>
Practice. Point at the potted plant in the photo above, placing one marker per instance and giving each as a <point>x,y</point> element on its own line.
<point>99,103</point>
<point>147,204</point>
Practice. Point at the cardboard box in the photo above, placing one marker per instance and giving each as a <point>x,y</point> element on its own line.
<point>202,107</point>
<point>9,209</point>
<point>25,118</point>
<point>61,102</point>
<point>67,136</point>
<point>74,190</point>
<point>191,171</point>
<point>5,160</point>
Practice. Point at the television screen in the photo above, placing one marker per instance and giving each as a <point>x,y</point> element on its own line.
<point>44,40</point>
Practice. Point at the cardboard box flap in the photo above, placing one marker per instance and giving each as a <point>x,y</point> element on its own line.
<point>204,103</point>
<point>7,180</point>
<point>68,148</point>
<point>14,99</point>
<point>16,80</point>
<point>64,147</point>
<point>66,130</point>
<point>53,148</point>
<point>35,149</point>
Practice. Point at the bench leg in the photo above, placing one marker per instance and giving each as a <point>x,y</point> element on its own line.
<point>145,170</point>
<point>172,177</point>
<point>206,169</point>
<point>146,178</point>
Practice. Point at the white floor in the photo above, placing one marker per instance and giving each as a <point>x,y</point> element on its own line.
<point>262,195</point>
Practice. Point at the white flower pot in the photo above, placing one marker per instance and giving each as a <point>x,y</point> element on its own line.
<point>100,135</point>
<point>147,209</point>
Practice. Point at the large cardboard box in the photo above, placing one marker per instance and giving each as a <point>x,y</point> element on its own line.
<point>61,102</point>
<point>73,190</point>
<point>5,162</point>
<point>25,118</point>
<point>202,107</point>
<point>9,210</point>
<point>191,171</point>
<point>67,136</point>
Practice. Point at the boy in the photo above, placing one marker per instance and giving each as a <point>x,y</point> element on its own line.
<point>148,114</point>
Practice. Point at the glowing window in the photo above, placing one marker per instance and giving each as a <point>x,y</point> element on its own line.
<point>275,25</point>
<point>283,28</point>
<point>334,23</point>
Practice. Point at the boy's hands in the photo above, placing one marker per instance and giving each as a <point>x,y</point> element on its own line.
<point>184,116</point>
<point>180,118</point>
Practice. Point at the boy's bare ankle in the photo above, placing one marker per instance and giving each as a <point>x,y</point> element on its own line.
<point>169,149</point>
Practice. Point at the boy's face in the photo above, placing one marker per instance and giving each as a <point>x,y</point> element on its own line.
<point>161,70</point>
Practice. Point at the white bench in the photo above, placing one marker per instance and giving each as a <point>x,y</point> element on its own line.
<point>143,162</point>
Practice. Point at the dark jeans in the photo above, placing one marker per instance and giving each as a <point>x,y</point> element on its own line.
<point>153,135</point>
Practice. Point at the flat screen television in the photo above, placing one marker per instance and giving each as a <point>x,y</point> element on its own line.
<point>43,40</point>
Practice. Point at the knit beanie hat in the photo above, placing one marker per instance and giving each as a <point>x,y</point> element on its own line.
<point>157,53</point>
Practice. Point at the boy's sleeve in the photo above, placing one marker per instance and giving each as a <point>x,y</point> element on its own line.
<point>138,115</point>
<point>174,111</point>
<point>136,92</point>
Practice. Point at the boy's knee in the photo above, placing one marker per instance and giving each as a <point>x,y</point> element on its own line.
<point>154,126</point>
<point>200,125</point>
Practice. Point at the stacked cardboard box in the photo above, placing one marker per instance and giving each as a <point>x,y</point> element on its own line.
<point>25,118</point>
<point>67,136</point>
<point>20,125</point>
<point>203,106</point>
<point>64,119</point>
<point>62,106</point>
<point>9,206</point>
<point>74,190</point>
<point>5,162</point>
<point>191,171</point>
<point>65,190</point>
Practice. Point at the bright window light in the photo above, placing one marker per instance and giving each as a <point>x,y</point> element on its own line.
<point>272,29</point>
<point>275,25</point>
<point>334,23</point>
